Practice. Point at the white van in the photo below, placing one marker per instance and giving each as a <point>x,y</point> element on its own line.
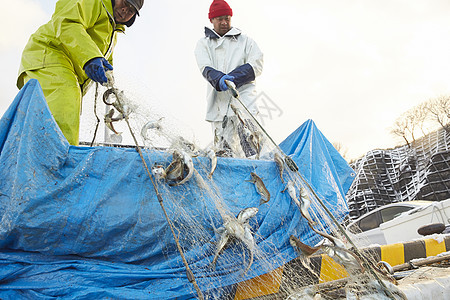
<point>398,222</point>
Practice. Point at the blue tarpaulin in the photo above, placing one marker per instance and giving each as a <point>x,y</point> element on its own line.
<point>84,222</point>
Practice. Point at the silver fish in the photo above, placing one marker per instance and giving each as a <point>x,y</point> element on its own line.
<point>252,140</point>
<point>151,125</point>
<point>174,171</point>
<point>246,214</point>
<point>239,229</point>
<point>305,204</point>
<point>301,247</point>
<point>342,255</point>
<point>109,119</point>
<point>189,165</point>
<point>248,135</point>
<point>237,112</point>
<point>212,155</point>
<point>119,102</point>
<point>249,241</point>
<point>336,250</point>
<point>255,140</point>
<point>292,192</point>
<point>224,239</point>
<point>280,164</point>
<point>120,105</point>
<point>260,187</point>
<point>107,94</point>
<point>252,137</point>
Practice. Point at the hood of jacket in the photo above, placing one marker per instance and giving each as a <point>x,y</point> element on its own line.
<point>233,32</point>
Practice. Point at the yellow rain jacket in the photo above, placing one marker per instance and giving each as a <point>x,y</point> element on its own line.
<point>56,53</point>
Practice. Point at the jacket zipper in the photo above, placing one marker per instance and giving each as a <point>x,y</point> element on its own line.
<point>110,40</point>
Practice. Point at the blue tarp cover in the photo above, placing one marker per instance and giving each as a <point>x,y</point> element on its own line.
<point>84,222</point>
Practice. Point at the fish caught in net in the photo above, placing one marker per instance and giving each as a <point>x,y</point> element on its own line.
<point>243,218</point>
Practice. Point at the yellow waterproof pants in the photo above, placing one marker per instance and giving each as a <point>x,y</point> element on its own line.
<point>63,94</point>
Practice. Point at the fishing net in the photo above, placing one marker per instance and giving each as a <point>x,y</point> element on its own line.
<point>231,250</point>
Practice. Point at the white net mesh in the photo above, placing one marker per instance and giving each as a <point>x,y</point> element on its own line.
<point>229,237</point>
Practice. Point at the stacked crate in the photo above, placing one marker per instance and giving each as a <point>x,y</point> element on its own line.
<point>420,171</point>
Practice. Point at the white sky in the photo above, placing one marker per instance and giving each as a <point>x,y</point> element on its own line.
<point>352,66</point>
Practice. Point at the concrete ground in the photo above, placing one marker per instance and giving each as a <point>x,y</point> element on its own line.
<point>426,283</point>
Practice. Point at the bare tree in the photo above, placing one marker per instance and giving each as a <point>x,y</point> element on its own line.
<point>411,122</point>
<point>407,125</point>
<point>421,115</point>
<point>439,109</point>
<point>400,128</point>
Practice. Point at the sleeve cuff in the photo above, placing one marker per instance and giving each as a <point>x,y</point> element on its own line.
<point>243,74</point>
<point>213,76</point>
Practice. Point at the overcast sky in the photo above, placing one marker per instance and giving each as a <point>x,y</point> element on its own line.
<point>352,66</point>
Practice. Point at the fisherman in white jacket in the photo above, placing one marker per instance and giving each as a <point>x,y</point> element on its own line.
<point>227,54</point>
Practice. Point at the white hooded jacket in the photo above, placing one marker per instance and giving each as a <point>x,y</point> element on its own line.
<point>235,54</point>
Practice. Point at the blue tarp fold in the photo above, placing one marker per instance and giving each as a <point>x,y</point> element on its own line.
<point>319,161</point>
<point>84,222</point>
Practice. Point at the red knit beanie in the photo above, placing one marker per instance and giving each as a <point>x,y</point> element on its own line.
<point>219,8</point>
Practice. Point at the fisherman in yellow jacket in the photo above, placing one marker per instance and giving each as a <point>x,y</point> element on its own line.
<point>72,49</point>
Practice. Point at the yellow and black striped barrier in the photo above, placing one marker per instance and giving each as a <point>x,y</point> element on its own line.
<point>323,268</point>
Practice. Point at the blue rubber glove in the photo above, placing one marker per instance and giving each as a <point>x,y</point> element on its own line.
<point>95,69</point>
<point>223,86</point>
